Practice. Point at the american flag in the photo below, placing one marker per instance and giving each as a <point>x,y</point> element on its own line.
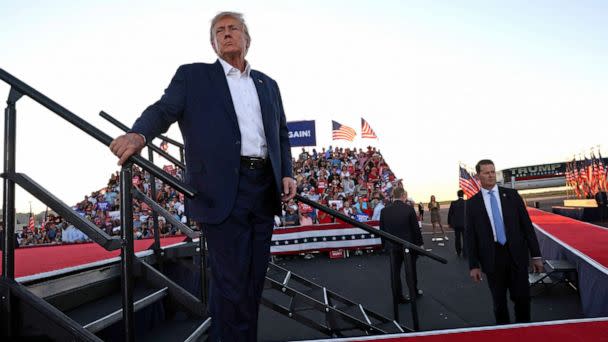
<point>45,218</point>
<point>595,174</point>
<point>342,132</point>
<point>602,173</point>
<point>467,183</point>
<point>568,174</point>
<point>576,175</point>
<point>31,224</point>
<point>367,131</point>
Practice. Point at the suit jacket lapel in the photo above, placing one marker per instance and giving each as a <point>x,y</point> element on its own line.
<point>219,78</point>
<point>263,96</point>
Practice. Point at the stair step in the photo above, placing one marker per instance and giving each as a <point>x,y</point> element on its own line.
<point>116,316</point>
<point>176,330</point>
<point>106,306</point>
<point>198,334</point>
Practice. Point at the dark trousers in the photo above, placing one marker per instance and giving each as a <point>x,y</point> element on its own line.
<point>239,251</point>
<point>458,240</point>
<point>396,256</point>
<point>507,276</point>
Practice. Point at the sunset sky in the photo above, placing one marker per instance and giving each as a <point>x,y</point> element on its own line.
<point>441,82</point>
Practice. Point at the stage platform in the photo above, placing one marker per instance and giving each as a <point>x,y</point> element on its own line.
<point>453,308</point>
<point>42,261</point>
<point>586,214</point>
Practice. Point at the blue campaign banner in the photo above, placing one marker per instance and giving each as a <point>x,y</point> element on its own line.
<point>302,133</point>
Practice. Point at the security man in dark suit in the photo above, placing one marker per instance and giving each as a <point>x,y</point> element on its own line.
<point>500,239</point>
<point>238,158</point>
<point>456,220</point>
<point>400,220</point>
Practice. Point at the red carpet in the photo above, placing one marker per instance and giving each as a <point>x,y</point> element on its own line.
<point>34,260</point>
<point>570,332</point>
<point>587,238</point>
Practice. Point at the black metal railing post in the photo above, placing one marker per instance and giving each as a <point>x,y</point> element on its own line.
<point>396,295</point>
<point>152,180</point>
<point>127,250</point>
<point>181,155</point>
<point>10,137</point>
<point>411,285</point>
<point>8,207</point>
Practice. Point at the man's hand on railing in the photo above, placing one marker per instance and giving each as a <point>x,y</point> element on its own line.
<point>127,145</point>
<point>289,189</point>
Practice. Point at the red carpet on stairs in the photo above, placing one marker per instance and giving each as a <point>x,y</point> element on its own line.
<point>34,260</point>
<point>589,239</point>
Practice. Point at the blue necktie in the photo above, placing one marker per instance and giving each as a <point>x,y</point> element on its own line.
<point>501,238</point>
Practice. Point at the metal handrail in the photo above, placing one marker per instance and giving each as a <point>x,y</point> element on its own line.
<point>407,249</point>
<point>149,144</point>
<point>164,213</point>
<point>171,141</point>
<point>17,90</point>
<point>370,229</point>
<point>93,131</point>
<point>98,236</point>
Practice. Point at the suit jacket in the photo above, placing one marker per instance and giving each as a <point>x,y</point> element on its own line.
<point>521,239</point>
<point>456,214</point>
<point>198,98</point>
<point>400,219</point>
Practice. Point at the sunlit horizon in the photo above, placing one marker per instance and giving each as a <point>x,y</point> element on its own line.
<point>440,83</point>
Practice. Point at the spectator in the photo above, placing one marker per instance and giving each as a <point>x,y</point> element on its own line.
<point>348,210</point>
<point>291,217</point>
<point>378,208</point>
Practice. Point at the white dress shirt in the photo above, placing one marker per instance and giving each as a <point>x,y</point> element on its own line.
<point>248,111</point>
<point>486,201</point>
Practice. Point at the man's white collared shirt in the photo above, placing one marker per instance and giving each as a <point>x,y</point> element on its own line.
<point>486,200</point>
<point>248,111</point>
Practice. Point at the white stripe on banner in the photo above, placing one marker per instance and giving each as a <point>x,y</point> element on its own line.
<point>317,233</point>
<point>283,241</point>
<point>324,244</point>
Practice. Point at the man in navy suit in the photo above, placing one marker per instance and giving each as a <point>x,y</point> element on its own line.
<point>456,218</point>
<point>500,240</point>
<point>400,220</point>
<point>238,158</point>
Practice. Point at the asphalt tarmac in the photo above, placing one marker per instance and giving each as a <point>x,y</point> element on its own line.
<point>451,299</point>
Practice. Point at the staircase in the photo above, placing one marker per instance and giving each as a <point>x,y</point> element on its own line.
<point>132,299</point>
<point>92,302</point>
<point>322,309</point>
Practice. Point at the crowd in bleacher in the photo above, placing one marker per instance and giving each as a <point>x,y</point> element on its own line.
<point>102,208</point>
<point>357,183</point>
<point>354,182</point>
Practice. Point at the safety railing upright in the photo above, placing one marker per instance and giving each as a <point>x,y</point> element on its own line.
<point>151,149</point>
<point>17,90</point>
<point>149,144</point>
<point>408,249</point>
<point>202,243</point>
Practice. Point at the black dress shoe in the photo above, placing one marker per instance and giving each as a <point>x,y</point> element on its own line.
<point>404,300</point>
